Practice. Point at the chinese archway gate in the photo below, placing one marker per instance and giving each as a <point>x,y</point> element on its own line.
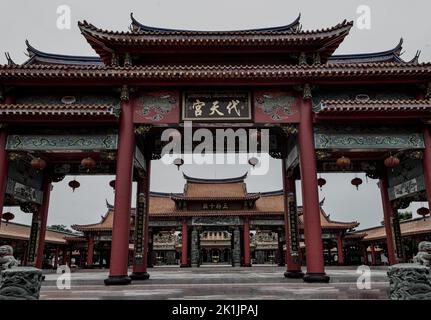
<point>325,113</point>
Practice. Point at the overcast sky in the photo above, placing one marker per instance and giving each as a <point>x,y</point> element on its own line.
<point>37,22</point>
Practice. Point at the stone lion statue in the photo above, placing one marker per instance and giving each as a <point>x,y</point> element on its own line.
<point>424,255</point>
<point>7,259</point>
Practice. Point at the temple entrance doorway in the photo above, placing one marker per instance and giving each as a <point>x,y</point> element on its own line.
<point>215,247</point>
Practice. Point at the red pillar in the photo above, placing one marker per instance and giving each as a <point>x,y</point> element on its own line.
<point>123,192</point>
<point>43,218</point>
<point>184,245</point>
<point>247,261</point>
<point>57,252</point>
<point>373,255</point>
<point>387,215</point>
<point>340,249</point>
<point>293,259</point>
<point>3,169</point>
<point>64,256</point>
<point>427,163</point>
<point>140,262</point>
<point>310,196</point>
<point>90,251</point>
<point>365,253</point>
<point>147,217</point>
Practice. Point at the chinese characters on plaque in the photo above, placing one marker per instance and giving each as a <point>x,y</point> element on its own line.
<point>292,217</point>
<point>216,106</point>
<point>140,225</point>
<point>215,206</point>
<point>397,237</point>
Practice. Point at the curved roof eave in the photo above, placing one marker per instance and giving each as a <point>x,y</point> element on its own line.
<point>137,26</point>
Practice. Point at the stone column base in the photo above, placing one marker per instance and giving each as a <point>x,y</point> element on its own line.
<point>20,283</point>
<point>140,276</point>
<point>316,277</point>
<point>294,274</point>
<point>117,280</point>
<point>409,281</point>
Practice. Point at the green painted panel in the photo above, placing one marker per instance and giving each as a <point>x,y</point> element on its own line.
<point>62,142</point>
<point>366,137</point>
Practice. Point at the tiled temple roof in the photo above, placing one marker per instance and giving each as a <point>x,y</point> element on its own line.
<point>40,57</point>
<point>392,55</point>
<point>339,106</point>
<point>410,227</point>
<point>104,42</point>
<point>169,72</point>
<point>18,231</point>
<point>136,26</point>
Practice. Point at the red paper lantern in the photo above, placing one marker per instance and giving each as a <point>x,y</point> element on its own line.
<point>343,162</point>
<point>74,184</point>
<point>321,182</point>
<point>38,163</point>
<point>112,184</point>
<point>423,211</point>
<point>178,162</point>
<point>88,163</point>
<point>391,162</point>
<point>253,161</point>
<point>356,182</point>
<point>7,216</point>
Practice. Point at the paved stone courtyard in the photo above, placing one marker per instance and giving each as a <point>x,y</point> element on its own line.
<point>258,282</point>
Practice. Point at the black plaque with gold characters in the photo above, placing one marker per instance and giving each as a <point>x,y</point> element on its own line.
<point>399,250</point>
<point>140,225</point>
<point>217,106</point>
<point>34,233</point>
<point>293,226</point>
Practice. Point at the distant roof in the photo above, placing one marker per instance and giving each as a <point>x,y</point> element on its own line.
<point>408,227</point>
<point>39,57</point>
<point>12,230</point>
<point>215,181</point>
<point>139,27</point>
<point>392,55</point>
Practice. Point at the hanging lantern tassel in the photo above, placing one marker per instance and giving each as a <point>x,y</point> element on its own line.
<point>356,182</point>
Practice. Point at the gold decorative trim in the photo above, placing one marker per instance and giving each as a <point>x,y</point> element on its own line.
<point>124,93</point>
<point>143,129</point>
<point>306,93</point>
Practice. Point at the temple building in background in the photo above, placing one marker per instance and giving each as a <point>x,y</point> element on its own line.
<point>221,222</point>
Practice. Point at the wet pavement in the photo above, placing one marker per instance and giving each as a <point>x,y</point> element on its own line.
<point>211,282</point>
